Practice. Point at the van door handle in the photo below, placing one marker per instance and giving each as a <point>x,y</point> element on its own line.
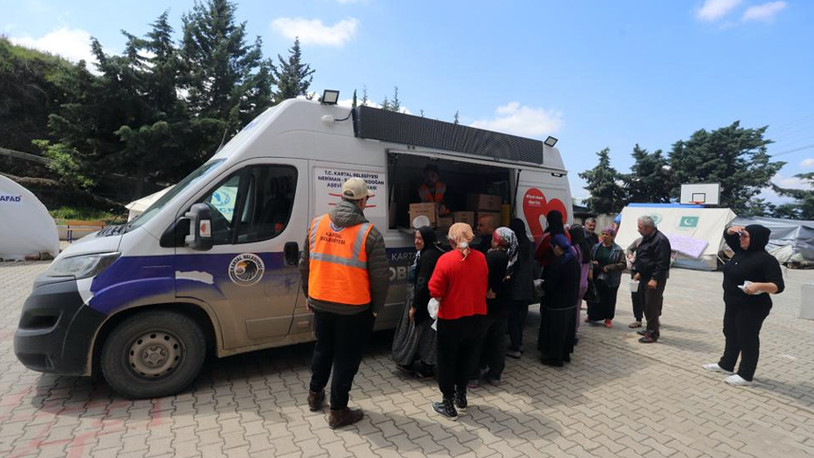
<point>292,253</point>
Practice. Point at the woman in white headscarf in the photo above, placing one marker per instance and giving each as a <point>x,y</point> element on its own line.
<point>501,259</point>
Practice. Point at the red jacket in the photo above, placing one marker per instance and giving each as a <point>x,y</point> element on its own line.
<point>460,285</point>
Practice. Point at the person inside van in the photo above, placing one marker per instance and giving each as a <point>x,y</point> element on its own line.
<point>433,190</point>
<point>486,227</point>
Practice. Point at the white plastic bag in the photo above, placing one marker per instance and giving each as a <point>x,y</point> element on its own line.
<point>432,308</point>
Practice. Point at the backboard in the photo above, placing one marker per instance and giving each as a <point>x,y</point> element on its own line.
<point>701,193</point>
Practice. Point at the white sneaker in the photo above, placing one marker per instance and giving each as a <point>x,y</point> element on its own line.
<point>714,367</point>
<point>737,380</point>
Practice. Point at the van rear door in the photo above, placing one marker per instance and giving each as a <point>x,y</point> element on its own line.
<point>250,276</point>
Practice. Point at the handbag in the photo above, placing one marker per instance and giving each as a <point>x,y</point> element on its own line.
<point>591,294</point>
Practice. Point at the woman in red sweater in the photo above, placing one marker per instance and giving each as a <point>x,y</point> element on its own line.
<point>459,283</point>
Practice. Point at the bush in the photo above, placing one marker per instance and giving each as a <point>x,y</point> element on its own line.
<point>84,213</point>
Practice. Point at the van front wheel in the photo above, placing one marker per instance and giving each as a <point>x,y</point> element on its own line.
<point>153,354</point>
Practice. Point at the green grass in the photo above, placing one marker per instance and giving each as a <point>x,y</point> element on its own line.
<point>90,214</point>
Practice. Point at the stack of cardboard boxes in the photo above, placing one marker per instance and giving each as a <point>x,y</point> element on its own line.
<point>485,204</point>
<point>476,204</point>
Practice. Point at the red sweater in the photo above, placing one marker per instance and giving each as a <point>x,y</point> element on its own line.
<point>460,285</point>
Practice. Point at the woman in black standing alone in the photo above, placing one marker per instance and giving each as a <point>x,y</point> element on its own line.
<point>749,277</point>
<point>414,347</point>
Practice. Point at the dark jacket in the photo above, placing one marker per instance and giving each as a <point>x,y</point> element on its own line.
<point>755,265</point>
<point>522,285</point>
<point>346,214</point>
<point>497,260</point>
<point>616,264</point>
<point>653,257</point>
<point>561,283</point>
<point>424,268</point>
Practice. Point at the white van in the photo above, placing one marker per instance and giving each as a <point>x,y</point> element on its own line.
<point>212,265</point>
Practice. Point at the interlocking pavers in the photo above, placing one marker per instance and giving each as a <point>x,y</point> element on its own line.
<point>617,398</point>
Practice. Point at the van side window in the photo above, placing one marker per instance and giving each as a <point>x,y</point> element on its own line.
<point>253,204</point>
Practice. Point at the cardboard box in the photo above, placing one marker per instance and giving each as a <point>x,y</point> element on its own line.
<point>486,202</point>
<point>464,217</point>
<point>495,217</point>
<point>430,210</point>
<point>444,222</point>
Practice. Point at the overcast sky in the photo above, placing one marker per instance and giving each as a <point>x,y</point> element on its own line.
<point>594,74</point>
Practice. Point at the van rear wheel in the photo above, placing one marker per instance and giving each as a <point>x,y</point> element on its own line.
<point>153,354</point>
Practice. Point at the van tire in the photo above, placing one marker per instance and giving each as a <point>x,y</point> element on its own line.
<point>153,354</point>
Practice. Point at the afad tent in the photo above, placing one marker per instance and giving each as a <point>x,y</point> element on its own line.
<point>791,241</point>
<point>26,228</point>
<point>695,233</point>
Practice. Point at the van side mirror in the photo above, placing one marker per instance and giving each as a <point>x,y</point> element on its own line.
<point>200,227</point>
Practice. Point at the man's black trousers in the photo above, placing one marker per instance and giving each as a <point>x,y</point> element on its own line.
<point>341,341</point>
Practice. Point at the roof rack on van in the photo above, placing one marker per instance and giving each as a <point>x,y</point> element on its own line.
<point>391,126</point>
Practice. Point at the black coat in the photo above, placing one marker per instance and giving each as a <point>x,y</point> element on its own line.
<point>653,257</point>
<point>561,283</point>
<point>497,260</point>
<point>424,268</point>
<point>755,265</point>
<point>522,283</point>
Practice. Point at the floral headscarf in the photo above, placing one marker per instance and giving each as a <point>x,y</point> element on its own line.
<point>461,235</point>
<point>507,239</point>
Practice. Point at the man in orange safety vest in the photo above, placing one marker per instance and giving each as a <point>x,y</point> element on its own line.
<point>345,277</point>
<point>433,190</point>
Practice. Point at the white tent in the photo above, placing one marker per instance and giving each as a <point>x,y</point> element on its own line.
<point>26,228</point>
<point>695,233</point>
<point>137,207</point>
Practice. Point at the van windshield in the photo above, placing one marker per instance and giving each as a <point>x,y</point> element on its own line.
<point>156,207</point>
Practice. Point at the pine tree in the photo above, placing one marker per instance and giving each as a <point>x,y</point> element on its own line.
<point>292,77</point>
<point>395,105</point>
<point>227,80</point>
<point>650,177</point>
<point>803,207</point>
<point>733,156</point>
<point>606,194</point>
<point>364,95</point>
<point>455,118</point>
<point>353,104</point>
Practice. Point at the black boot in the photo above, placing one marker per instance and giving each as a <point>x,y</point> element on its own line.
<point>460,400</point>
<point>315,400</point>
<point>344,417</point>
<point>446,408</point>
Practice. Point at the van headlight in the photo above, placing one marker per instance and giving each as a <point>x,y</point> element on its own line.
<point>82,266</point>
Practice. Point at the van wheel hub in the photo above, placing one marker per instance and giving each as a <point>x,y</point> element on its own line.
<point>155,354</point>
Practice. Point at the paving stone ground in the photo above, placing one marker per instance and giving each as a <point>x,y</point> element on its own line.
<point>617,397</point>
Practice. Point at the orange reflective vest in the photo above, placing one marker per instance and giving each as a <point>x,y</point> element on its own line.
<point>426,195</point>
<point>338,262</point>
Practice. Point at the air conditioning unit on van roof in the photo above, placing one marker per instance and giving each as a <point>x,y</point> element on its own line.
<point>391,126</point>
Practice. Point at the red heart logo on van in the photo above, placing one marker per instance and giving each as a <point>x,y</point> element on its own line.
<point>536,208</point>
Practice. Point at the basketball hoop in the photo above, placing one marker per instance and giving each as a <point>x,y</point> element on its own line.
<point>696,202</point>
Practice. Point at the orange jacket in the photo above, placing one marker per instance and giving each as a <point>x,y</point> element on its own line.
<point>338,262</point>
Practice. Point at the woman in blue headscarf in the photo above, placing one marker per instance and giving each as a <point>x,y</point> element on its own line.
<point>557,315</point>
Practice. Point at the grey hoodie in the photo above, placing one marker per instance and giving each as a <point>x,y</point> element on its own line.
<point>346,214</point>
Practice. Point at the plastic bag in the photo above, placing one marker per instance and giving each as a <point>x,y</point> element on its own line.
<point>432,309</point>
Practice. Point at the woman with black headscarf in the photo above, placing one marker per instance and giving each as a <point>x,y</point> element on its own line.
<point>749,277</point>
<point>522,287</point>
<point>543,253</point>
<point>414,348</point>
<point>561,287</point>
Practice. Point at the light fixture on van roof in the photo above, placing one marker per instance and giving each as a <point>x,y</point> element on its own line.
<point>550,141</point>
<point>330,97</point>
